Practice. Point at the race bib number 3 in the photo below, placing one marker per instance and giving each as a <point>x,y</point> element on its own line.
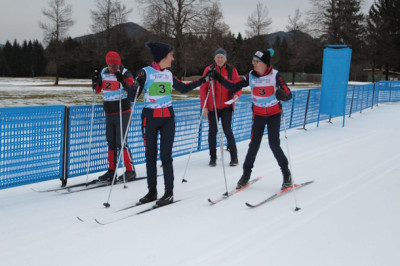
<point>263,91</point>
<point>160,89</point>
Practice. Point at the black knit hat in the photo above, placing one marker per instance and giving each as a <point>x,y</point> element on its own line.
<point>158,50</point>
<point>264,56</point>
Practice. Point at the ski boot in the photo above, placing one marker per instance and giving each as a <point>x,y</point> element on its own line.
<point>213,161</point>
<point>234,161</point>
<point>244,180</point>
<point>287,181</point>
<point>129,176</point>
<point>150,196</point>
<point>168,198</point>
<point>108,176</point>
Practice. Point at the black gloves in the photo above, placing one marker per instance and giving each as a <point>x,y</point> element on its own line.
<point>215,75</point>
<point>119,76</point>
<point>95,77</point>
<point>212,74</point>
<point>206,77</point>
<point>136,84</point>
<point>281,95</point>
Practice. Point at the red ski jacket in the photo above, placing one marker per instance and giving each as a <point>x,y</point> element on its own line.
<point>221,93</point>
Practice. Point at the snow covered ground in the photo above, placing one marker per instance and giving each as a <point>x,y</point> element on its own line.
<point>41,91</point>
<point>349,216</point>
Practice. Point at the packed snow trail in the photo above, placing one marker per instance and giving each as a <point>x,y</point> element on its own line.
<point>349,216</point>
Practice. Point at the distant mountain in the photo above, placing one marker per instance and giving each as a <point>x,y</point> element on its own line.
<point>130,29</point>
<point>285,35</point>
<point>1,45</point>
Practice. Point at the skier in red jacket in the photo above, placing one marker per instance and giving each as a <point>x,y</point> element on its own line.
<point>268,89</point>
<point>224,110</point>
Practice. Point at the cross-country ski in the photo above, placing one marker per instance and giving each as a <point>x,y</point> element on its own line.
<point>84,186</point>
<point>278,194</point>
<point>233,192</point>
<point>118,216</point>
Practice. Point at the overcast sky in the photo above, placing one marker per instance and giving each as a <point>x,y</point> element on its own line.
<point>19,18</point>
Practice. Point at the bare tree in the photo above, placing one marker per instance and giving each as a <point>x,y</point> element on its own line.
<point>299,45</point>
<point>59,20</point>
<point>103,18</point>
<point>258,22</point>
<point>315,17</point>
<point>107,15</point>
<point>173,19</point>
<point>213,23</point>
<point>295,22</point>
<point>55,30</point>
<point>121,14</point>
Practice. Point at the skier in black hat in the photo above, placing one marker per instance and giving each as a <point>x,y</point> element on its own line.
<point>268,88</point>
<point>156,83</point>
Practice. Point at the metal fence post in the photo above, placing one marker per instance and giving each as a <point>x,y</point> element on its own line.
<point>351,104</point>
<point>362,99</point>
<point>373,96</point>
<point>306,111</point>
<point>65,148</point>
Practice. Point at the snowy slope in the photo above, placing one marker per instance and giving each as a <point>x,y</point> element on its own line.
<point>349,216</point>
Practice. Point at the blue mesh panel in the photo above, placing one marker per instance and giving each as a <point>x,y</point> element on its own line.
<point>79,138</point>
<point>242,118</point>
<point>187,115</point>
<point>31,138</point>
<point>31,144</point>
<point>299,104</point>
<point>389,91</point>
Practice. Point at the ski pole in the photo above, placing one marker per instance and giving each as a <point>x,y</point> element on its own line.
<point>121,149</point>
<point>194,138</point>
<point>221,142</point>
<point>289,160</point>
<point>90,137</point>
<point>107,204</point>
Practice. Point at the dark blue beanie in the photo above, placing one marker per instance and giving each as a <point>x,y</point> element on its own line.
<point>220,51</point>
<point>158,50</point>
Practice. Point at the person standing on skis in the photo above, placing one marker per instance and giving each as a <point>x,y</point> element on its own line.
<point>156,83</point>
<point>224,110</point>
<point>115,81</point>
<point>268,88</point>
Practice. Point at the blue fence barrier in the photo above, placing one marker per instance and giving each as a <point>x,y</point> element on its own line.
<point>52,142</point>
<point>31,144</point>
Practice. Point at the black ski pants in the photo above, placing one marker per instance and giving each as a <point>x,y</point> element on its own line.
<point>113,130</point>
<point>151,126</point>
<point>226,120</point>
<point>273,124</point>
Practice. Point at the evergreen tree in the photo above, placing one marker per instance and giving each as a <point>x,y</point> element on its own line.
<point>383,34</point>
<point>38,64</point>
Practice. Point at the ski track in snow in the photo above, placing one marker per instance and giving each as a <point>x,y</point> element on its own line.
<point>348,216</point>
